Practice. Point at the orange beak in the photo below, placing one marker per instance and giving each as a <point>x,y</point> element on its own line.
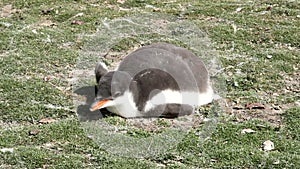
<point>98,105</point>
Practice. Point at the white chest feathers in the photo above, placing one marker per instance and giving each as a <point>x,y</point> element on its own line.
<point>126,107</point>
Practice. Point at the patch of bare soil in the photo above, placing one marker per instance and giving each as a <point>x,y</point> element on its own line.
<point>269,113</point>
<point>292,84</point>
<point>159,124</point>
<point>114,58</point>
<point>290,94</point>
<point>13,125</point>
<point>7,11</point>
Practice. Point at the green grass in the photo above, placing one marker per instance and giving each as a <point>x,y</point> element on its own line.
<point>261,61</point>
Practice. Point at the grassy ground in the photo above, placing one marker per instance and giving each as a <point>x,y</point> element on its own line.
<point>259,44</point>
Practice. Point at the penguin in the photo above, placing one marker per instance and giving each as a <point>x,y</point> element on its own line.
<point>158,80</point>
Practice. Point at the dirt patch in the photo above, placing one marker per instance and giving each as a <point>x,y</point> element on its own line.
<point>113,58</point>
<point>13,125</point>
<point>267,112</point>
<point>7,11</point>
<point>292,83</point>
<point>158,124</point>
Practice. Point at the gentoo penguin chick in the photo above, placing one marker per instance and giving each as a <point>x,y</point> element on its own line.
<point>159,80</point>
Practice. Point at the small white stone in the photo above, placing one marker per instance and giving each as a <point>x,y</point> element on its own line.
<point>34,31</point>
<point>4,150</point>
<point>239,9</point>
<point>276,162</point>
<point>234,28</point>
<point>236,84</point>
<point>268,145</point>
<point>269,56</point>
<point>79,14</point>
<point>245,131</point>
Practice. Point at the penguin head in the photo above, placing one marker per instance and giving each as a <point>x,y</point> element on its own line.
<point>111,85</point>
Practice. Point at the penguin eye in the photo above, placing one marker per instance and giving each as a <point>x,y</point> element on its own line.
<point>117,94</point>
